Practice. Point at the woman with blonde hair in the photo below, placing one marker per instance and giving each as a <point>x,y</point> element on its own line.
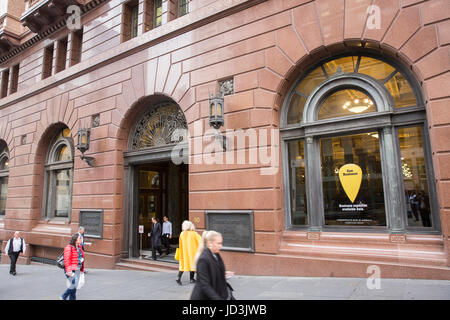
<point>189,242</point>
<point>211,276</point>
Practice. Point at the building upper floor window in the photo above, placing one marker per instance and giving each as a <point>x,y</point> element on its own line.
<point>47,62</point>
<point>130,20</point>
<point>158,13</point>
<point>183,7</point>
<point>58,177</point>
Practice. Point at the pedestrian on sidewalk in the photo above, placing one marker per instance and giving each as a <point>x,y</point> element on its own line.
<point>166,234</point>
<point>155,237</point>
<point>211,276</point>
<point>81,233</point>
<point>188,246</point>
<point>14,247</point>
<point>74,266</point>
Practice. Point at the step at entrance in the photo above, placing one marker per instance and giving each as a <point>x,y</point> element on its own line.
<point>147,265</point>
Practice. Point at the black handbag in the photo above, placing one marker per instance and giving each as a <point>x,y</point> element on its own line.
<point>60,261</point>
<point>230,292</point>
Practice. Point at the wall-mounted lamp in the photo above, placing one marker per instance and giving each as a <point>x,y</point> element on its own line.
<point>84,135</point>
<point>216,116</point>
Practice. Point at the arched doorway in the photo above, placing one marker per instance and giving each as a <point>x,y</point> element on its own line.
<point>155,175</point>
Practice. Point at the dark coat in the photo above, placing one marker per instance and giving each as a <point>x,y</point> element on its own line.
<point>155,235</point>
<point>211,283</point>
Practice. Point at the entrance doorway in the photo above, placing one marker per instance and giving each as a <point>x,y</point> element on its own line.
<point>162,191</point>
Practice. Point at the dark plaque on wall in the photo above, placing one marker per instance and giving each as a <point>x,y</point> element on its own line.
<point>236,227</point>
<point>92,221</point>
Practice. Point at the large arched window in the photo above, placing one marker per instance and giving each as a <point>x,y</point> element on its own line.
<point>356,149</point>
<point>58,177</point>
<point>4,175</point>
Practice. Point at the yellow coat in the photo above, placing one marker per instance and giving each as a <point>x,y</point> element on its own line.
<point>189,242</point>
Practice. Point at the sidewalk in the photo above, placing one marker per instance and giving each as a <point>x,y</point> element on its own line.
<point>45,282</point>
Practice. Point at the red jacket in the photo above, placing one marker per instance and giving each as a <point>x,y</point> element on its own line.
<point>71,258</point>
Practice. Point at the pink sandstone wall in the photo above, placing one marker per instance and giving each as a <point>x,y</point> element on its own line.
<point>263,48</point>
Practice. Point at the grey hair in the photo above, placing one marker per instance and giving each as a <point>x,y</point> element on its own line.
<point>187,226</point>
<point>81,229</point>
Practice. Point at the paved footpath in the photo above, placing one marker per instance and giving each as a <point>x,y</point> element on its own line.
<point>46,282</point>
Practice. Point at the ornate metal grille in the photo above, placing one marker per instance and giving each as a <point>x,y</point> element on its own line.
<point>157,126</point>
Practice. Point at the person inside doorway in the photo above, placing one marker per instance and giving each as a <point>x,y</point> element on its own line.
<point>166,234</point>
<point>155,237</point>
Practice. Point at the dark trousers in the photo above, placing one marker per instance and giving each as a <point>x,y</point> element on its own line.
<point>166,242</point>
<point>13,256</point>
<point>191,274</point>
<point>154,249</point>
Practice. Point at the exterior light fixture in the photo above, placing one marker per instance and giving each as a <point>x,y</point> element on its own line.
<point>83,139</point>
<point>216,116</point>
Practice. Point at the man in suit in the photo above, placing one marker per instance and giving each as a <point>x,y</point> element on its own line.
<point>14,247</point>
<point>155,237</point>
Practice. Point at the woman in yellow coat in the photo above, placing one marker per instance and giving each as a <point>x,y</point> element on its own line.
<point>189,242</point>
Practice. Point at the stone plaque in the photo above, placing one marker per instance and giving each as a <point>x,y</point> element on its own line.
<point>92,221</point>
<point>236,227</point>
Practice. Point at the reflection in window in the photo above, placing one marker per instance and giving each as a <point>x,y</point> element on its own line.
<point>183,7</point>
<point>62,194</point>
<point>401,91</point>
<point>149,179</point>
<point>311,81</point>
<point>297,182</point>
<point>375,68</point>
<point>414,177</point>
<point>346,102</point>
<point>367,208</point>
<point>296,109</point>
<point>158,13</point>
<point>345,65</point>
<point>3,194</point>
<point>4,176</point>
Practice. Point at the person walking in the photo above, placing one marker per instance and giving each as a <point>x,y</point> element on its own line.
<point>188,246</point>
<point>14,247</point>
<point>211,281</point>
<point>155,237</point>
<point>166,234</point>
<point>74,266</point>
<point>81,231</point>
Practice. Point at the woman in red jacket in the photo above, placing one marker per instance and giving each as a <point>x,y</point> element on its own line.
<point>74,264</point>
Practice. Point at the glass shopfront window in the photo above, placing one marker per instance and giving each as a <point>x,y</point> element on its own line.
<point>414,177</point>
<point>352,180</point>
<point>297,179</point>
<point>366,165</point>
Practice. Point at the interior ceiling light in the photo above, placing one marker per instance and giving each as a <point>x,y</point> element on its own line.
<point>357,105</point>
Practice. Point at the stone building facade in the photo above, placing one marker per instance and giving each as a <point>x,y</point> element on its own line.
<point>132,69</point>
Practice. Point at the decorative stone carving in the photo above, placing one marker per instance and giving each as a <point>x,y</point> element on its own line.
<point>226,87</point>
<point>157,126</point>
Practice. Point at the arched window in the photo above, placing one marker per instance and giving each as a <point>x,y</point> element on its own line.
<point>356,148</point>
<point>4,175</point>
<point>58,177</point>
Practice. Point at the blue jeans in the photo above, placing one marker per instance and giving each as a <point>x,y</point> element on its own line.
<point>71,291</point>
